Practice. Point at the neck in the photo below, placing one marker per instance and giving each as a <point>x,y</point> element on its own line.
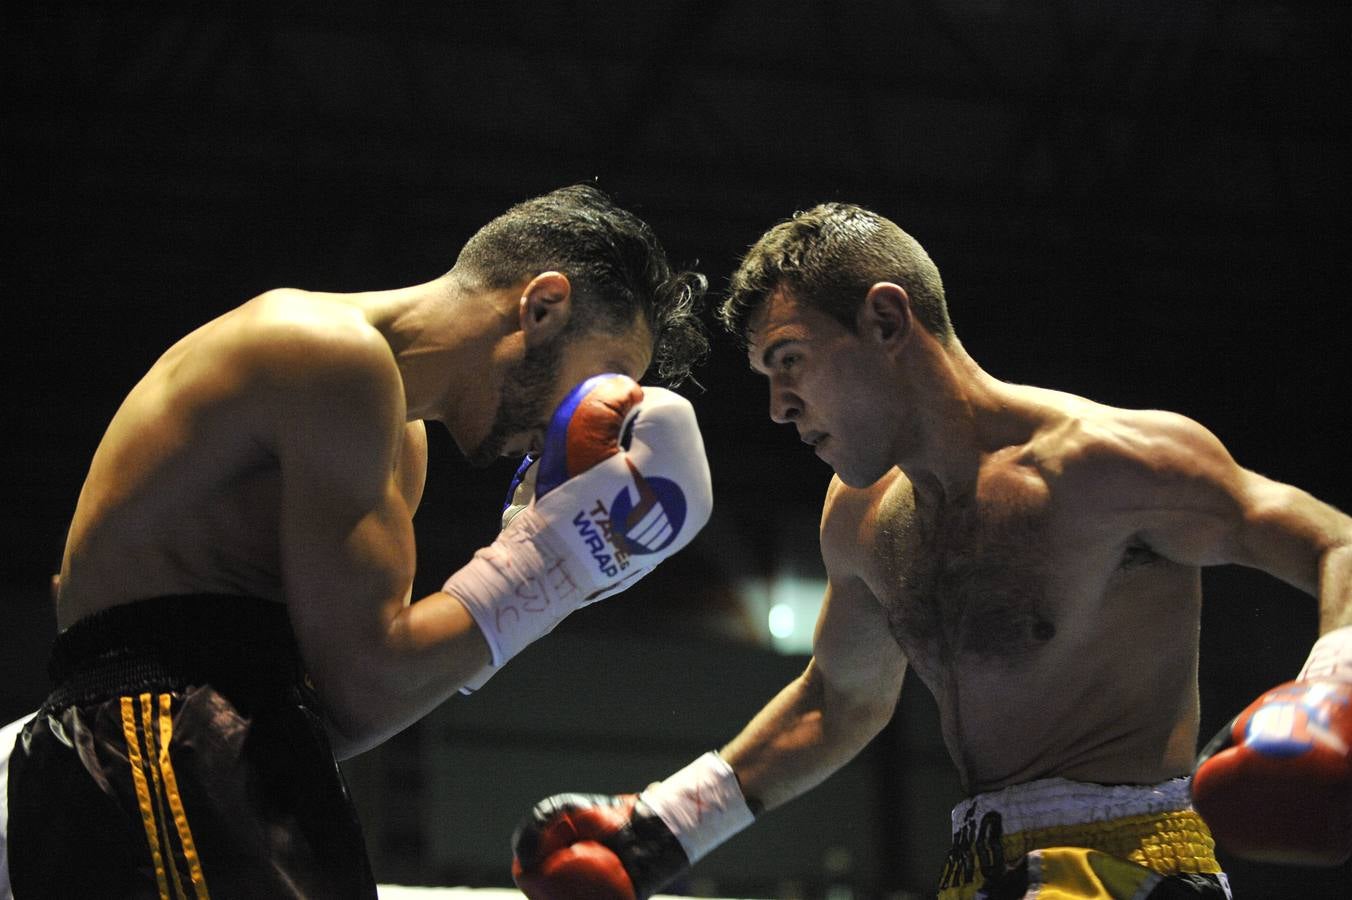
<point>967,416</point>
<point>444,339</point>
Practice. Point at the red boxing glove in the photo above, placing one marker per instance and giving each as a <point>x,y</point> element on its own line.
<point>586,429</point>
<point>585,870</point>
<point>594,847</point>
<point>1276,784</point>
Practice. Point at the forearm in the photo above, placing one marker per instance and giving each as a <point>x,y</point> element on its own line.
<point>576,844</point>
<point>800,738</point>
<point>509,594</point>
<point>429,649</point>
<point>637,843</point>
<point>1335,588</point>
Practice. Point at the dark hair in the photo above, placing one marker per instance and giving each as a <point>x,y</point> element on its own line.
<point>828,257</point>
<point>613,260</point>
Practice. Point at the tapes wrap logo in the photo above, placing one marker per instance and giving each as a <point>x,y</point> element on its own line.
<point>641,520</point>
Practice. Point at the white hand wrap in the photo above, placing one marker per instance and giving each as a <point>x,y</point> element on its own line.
<point>702,805</point>
<point>1331,656</point>
<point>592,536</point>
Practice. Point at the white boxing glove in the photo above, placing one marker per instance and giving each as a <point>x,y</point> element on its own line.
<point>621,484</point>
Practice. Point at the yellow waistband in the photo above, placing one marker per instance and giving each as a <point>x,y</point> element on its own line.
<point>1168,843</point>
<point>1151,826</point>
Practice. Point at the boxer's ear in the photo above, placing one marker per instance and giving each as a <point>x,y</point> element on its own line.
<point>885,315</point>
<point>545,307</point>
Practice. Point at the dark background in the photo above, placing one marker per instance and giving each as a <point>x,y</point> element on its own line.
<point>1144,203</point>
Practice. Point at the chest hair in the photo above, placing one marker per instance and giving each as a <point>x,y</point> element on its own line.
<point>966,577</point>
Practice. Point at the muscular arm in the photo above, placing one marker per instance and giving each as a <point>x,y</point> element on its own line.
<point>347,542</point>
<point>1197,506</point>
<point>1272,785</point>
<point>848,692</point>
<point>575,844</point>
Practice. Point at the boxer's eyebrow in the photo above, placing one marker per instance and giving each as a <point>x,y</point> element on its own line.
<point>767,355</point>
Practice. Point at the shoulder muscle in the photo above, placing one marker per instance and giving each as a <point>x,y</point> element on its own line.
<point>847,516</point>
<point>1182,491</point>
<point>1148,458</point>
<point>330,396</point>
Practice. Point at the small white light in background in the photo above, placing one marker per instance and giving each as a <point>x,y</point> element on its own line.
<point>786,606</point>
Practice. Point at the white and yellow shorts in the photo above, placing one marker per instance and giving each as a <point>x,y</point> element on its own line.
<point>1057,838</point>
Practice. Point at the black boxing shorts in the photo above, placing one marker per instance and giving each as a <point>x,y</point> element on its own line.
<point>181,755</point>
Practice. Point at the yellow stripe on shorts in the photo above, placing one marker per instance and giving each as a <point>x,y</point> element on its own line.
<point>152,758</point>
<point>199,881</point>
<point>138,777</point>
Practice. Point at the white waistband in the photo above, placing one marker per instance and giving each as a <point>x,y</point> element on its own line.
<point>1059,801</point>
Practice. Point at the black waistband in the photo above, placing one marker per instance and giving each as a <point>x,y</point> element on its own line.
<point>244,646</point>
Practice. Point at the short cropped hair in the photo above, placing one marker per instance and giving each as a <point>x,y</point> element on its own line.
<point>614,262</point>
<point>828,257</point>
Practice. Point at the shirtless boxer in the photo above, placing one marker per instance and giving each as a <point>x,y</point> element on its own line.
<point>235,592</point>
<point>1034,558</point>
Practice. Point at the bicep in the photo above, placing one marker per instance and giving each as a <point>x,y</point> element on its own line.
<point>859,663</point>
<point>346,568</point>
<point>855,656</point>
<point>347,575</point>
<point>411,470</point>
<point>346,532</point>
<point>1286,532</point>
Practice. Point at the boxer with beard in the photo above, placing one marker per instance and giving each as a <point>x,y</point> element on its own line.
<point>235,603</point>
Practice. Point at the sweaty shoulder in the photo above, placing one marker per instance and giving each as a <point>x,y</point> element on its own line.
<point>1101,442</point>
<point>298,349</point>
<point>296,338</point>
<point>324,376</point>
<point>1107,459</point>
